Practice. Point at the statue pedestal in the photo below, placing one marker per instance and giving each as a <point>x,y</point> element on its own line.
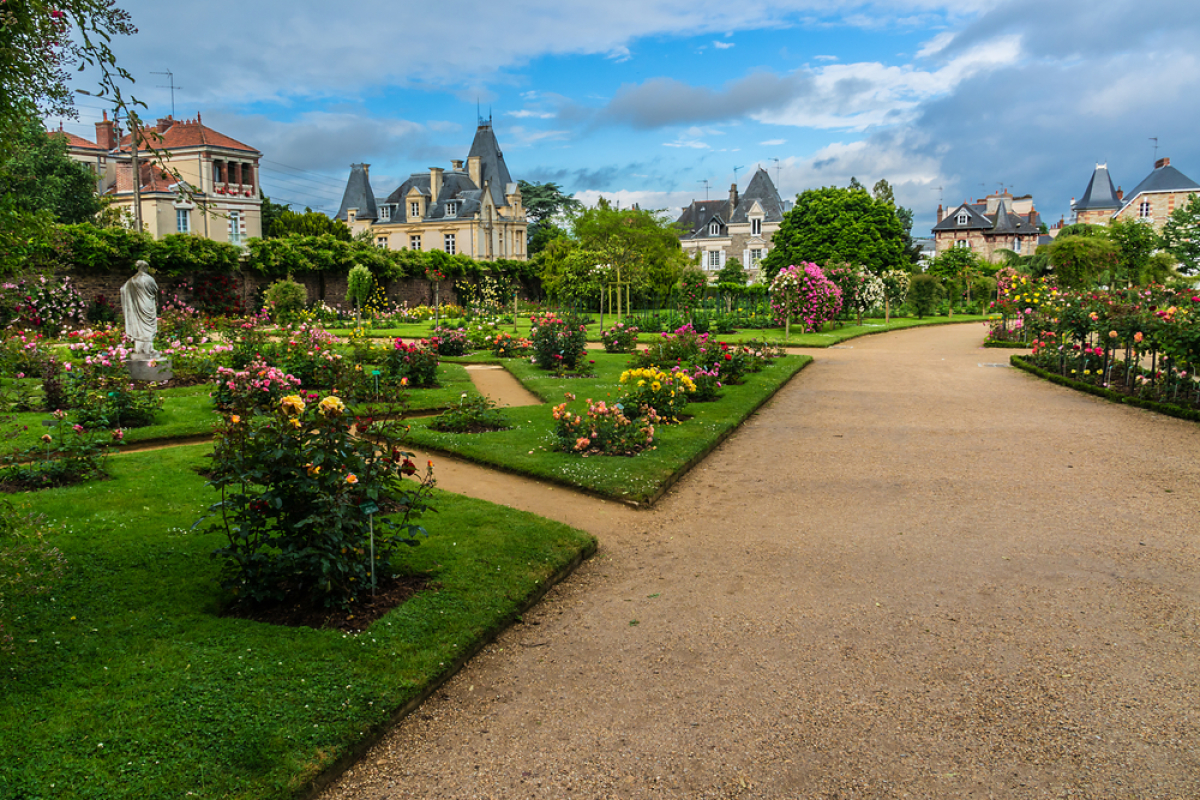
<point>157,369</point>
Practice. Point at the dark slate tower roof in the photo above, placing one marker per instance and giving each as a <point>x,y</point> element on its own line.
<point>1100,193</point>
<point>1164,178</point>
<point>762,190</point>
<point>358,194</point>
<point>492,169</point>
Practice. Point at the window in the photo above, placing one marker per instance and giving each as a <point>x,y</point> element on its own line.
<point>714,228</point>
<point>385,213</point>
<point>182,223</point>
<point>235,227</point>
<point>381,241</point>
<point>1017,244</point>
<point>963,243</point>
<point>714,259</point>
<point>414,242</point>
<point>452,209</point>
<point>756,227</point>
<point>414,209</point>
<point>449,243</point>
<point>1144,209</point>
<point>755,257</point>
<point>963,218</point>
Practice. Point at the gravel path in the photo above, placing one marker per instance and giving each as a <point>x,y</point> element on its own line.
<point>910,575</point>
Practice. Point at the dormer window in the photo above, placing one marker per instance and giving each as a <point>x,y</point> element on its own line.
<point>452,208</point>
<point>414,209</point>
<point>385,213</point>
<point>714,228</point>
<point>756,227</point>
<point>963,218</point>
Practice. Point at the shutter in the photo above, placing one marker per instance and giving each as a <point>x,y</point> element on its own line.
<point>722,265</point>
<point>746,259</point>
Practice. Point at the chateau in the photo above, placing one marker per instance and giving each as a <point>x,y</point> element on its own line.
<point>224,202</point>
<point>741,226</point>
<point>474,210</point>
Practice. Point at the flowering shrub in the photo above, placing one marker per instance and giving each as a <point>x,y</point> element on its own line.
<point>505,345</point>
<point>620,338</point>
<point>297,492</point>
<point>760,353</point>
<point>895,289</point>
<point>99,390</point>
<point>284,300</point>
<point>212,294</point>
<point>416,364</point>
<point>684,345</point>
<point>707,381</point>
<point>41,304</point>
<point>67,454</point>
<point>559,341</point>
<point>449,342</point>
<point>23,355</point>
<point>692,285</point>
<point>471,414</point>
<point>603,429</point>
<point>259,385</point>
<point>1019,297</point>
<point>652,388</point>
<point>803,293</point>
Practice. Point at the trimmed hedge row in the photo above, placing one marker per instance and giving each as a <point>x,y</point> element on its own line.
<point>1191,415</point>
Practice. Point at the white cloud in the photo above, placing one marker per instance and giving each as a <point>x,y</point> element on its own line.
<point>723,45</point>
<point>773,142</point>
<point>935,45</point>
<point>825,58</point>
<point>526,113</point>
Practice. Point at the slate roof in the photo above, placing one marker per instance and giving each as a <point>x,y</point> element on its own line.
<point>693,222</point>
<point>492,169</point>
<point>976,219</point>
<point>1100,193</point>
<point>456,186</point>
<point>1002,222</point>
<point>358,195</point>
<point>1164,179</point>
<point>762,191</point>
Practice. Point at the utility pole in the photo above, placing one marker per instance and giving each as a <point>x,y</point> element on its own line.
<point>170,85</point>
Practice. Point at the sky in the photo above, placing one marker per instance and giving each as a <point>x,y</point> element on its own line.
<point>660,102</point>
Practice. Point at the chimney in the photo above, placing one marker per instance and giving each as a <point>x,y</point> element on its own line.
<point>1162,162</point>
<point>366,170</point>
<point>456,164</point>
<point>105,136</point>
<point>733,196</point>
<point>941,213</point>
<point>164,124</point>
<point>1120,193</point>
<point>435,184</point>
<point>475,171</point>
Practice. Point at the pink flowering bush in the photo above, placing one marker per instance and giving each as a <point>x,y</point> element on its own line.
<point>42,304</point>
<point>258,385</point>
<point>803,293</point>
<point>620,338</point>
<point>602,429</point>
<point>559,341</point>
<point>415,363</point>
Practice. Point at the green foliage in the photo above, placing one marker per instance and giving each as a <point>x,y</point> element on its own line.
<point>285,299</point>
<point>1079,259</point>
<point>471,414</point>
<point>602,429</point>
<point>541,234</point>
<point>416,364</point>
<point>297,488</point>
<point>923,293</point>
<point>692,285</point>
<point>38,175</point>
<point>655,393</point>
<point>1136,242</point>
<point>285,222</point>
<point>834,224</point>
<point>1181,235</point>
<point>359,284</point>
<point>642,247</point>
<point>543,201</point>
<point>956,267</point>
<point>732,272</point>
<point>559,341</point>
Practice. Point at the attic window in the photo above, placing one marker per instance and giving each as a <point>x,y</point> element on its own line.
<point>756,227</point>
<point>414,209</point>
<point>963,218</point>
<point>714,228</point>
<point>385,213</point>
<point>452,209</point>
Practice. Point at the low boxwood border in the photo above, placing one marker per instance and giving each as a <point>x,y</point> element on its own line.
<point>1167,409</point>
<point>1009,345</point>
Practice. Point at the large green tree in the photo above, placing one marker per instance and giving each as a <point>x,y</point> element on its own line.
<point>543,203</point>
<point>310,223</point>
<point>841,225</point>
<point>1081,257</point>
<point>38,175</point>
<point>1181,235</point>
<point>642,245</point>
<point>956,268</point>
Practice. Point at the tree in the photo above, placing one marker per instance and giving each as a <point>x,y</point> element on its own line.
<point>39,41</point>
<point>732,272</point>
<point>1080,259</point>
<point>541,234</point>
<point>38,175</point>
<point>803,293</point>
<point>543,202</point>
<point>1181,235</point>
<point>642,245</point>
<point>310,223</point>
<point>270,213</point>
<point>958,264</point>
<point>1136,243</point>
<point>835,224</point>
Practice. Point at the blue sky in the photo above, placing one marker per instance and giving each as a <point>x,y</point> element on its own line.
<point>644,100</point>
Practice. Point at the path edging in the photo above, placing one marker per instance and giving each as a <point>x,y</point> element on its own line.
<point>1166,409</point>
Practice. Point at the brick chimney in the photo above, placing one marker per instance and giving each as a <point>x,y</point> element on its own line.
<point>733,196</point>
<point>941,213</point>
<point>435,184</point>
<point>1162,162</point>
<point>1120,193</point>
<point>106,137</point>
<point>164,124</point>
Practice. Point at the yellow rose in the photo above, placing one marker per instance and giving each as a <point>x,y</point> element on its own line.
<point>332,405</point>
<point>292,404</point>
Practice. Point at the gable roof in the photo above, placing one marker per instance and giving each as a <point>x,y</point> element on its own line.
<point>762,191</point>
<point>976,219</point>
<point>1164,179</point>
<point>358,195</point>
<point>78,142</point>
<point>456,187</point>
<point>1100,193</point>
<point>694,220</point>
<point>172,134</point>
<point>1002,222</point>
<point>492,169</point>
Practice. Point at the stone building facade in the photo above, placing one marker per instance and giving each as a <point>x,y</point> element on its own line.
<point>474,209</point>
<point>740,226</point>
<point>1152,201</point>
<point>998,222</point>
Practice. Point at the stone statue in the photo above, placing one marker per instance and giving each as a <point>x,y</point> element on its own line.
<point>139,302</point>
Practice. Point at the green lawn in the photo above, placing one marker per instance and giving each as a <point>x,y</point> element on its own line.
<point>526,447</point>
<point>124,682</point>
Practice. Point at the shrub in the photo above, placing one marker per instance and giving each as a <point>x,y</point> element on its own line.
<point>43,304</point>
<point>67,454</point>
<point>803,293</point>
<point>23,355</point>
<point>359,284</point>
<point>707,381</point>
<point>416,364</point>
<point>285,300</point>
<point>559,342</point>
<point>100,392</point>
<point>692,285</point>
<point>923,293</point>
<point>604,429</point>
<point>682,346</point>
<point>297,493</point>
<point>259,385</point>
<point>620,338</point>
<point>448,342</point>
<point>472,414</point>
<point>505,345</point>
<point>666,393</point>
